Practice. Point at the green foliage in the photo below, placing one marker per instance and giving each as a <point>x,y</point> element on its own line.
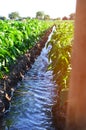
<point>16,37</point>
<point>2,17</point>
<point>14,15</point>
<point>60,53</point>
<point>46,17</point>
<point>40,15</point>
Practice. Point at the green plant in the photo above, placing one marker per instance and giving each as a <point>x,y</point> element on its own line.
<point>16,37</point>
<point>60,53</point>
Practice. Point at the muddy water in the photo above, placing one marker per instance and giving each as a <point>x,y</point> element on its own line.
<point>33,100</point>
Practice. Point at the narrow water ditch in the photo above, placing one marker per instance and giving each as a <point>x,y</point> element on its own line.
<point>33,100</point>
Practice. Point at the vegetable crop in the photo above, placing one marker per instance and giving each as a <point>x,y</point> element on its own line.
<point>16,37</point>
<point>60,53</point>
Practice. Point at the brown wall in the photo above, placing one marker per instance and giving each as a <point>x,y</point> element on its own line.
<point>76,113</point>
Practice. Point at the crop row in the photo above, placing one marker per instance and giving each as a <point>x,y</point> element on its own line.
<point>16,37</point>
<point>60,54</point>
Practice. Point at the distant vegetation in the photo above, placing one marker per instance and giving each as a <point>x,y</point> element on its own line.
<point>39,15</point>
<point>14,15</point>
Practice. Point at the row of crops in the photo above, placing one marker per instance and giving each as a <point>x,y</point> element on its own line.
<point>16,37</point>
<point>60,55</point>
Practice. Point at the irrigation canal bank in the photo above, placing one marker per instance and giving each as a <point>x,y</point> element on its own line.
<point>31,106</point>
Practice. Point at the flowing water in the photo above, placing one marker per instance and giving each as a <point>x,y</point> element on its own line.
<point>33,100</point>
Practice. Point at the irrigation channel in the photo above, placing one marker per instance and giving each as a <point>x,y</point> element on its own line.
<point>33,100</point>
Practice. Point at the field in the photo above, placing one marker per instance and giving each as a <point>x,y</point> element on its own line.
<point>16,37</point>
